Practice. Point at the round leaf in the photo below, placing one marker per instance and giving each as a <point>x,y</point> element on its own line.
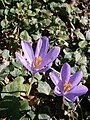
<point>44,87</point>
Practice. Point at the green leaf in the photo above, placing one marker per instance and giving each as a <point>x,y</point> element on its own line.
<point>36,37</point>
<point>77,56</point>
<point>27,1</point>
<point>62,0</point>
<point>33,21</point>
<point>54,6</point>
<point>43,117</point>
<point>3,23</point>
<point>26,24</point>
<point>68,54</point>
<point>16,64</point>
<point>4,69</point>
<point>25,36</point>
<point>24,105</point>
<point>19,79</point>
<point>88,35</point>
<point>31,113</point>
<point>19,70</point>
<point>83,68</point>
<point>79,34</point>
<point>9,107</point>
<point>80,59</point>
<point>45,0</point>
<point>15,72</point>
<point>12,10</point>
<point>83,60</point>
<point>57,62</point>
<point>14,88</point>
<point>5,54</point>
<point>70,105</point>
<point>46,22</point>
<point>82,44</point>
<point>6,11</point>
<point>38,76</point>
<point>84,20</point>
<point>44,87</point>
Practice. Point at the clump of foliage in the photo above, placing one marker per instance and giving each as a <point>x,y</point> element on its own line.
<point>66,24</point>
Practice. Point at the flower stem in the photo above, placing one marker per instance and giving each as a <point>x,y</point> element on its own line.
<point>78,103</point>
<point>30,86</point>
<point>55,70</point>
<point>62,103</point>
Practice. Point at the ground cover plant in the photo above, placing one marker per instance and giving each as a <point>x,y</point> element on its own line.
<point>44,59</point>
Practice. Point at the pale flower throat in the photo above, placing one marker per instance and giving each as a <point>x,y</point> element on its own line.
<point>37,62</point>
<point>67,86</point>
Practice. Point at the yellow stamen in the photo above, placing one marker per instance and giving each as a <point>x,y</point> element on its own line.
<point>37,62</point>
<point>67,86</point>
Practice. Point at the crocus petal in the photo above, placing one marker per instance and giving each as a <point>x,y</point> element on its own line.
<point>45,68</point>
<point>75,79</point>
<point>65,72</point>
<point>54,77</point>
<point>78,90</point>
<point>28,51</point>
<point>23,61</point>
<point>42,47</point>
<point>61,86</point>
<point>70,98</point>
<point>51,56</point>
<point>38,48</point>
<point>34,70</point>
<point>57,91</point>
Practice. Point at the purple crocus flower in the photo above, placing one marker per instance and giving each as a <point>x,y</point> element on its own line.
<point>42,60</point>
<point>66,85</point>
